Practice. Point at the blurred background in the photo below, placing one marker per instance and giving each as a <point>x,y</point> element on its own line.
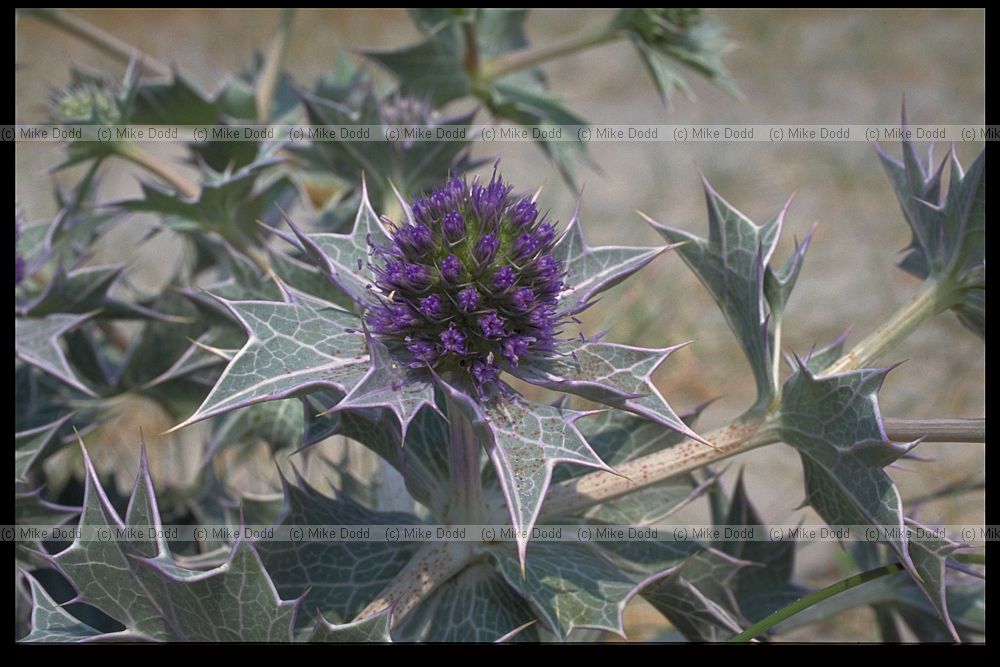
<point>808,67</point>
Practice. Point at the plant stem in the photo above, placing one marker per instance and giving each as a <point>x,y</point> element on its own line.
<point>433,564</point>
<point>471,49</point>
<point>157,167</point>
<point>746,433</point>
<point>582,492</point>
<point>437,562</point>
<point>136,155</point>
<point>936,430</point>
<point>743,435</point>
<point>465,464</point>
<point>101,40</point>
<point>267,82</point>
<point>816,597</point>
<point>519,60</point>
<point>813,598</point>
<point>932,299</point>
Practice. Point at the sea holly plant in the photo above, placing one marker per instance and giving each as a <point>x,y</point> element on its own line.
<point>372,335</point>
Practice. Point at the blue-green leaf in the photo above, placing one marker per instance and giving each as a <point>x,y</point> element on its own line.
<point>36,342</point>
<point>731,264</point>
<point>343,258</point>
<point>835,424</point>
<point>30,445</point>
<point>949,232</point>
<point>374,628</point>
<point>525,441</point>
<point>609,373</point>
<point>293,348</point>
<point>339,577</point>
<point>136,581</point>
<point>477,605</point>
<point>594,270</point>
<point>571,585</point>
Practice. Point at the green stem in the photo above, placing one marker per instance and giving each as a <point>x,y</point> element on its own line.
<point>932,299</point>
<point>465,465</point>
<point>267,82</point>
<point>157,167</point>
<point>528,58</point>
<point>101,40</point>
<point>471,49</point>
<point>814,598</point>
<point>776,359</point>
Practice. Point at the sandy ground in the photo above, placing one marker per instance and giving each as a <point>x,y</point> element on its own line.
<point>794,67</point>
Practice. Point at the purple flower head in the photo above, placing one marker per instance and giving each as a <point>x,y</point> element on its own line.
<point>486,248</point>
<point>523,213</point>
<point>526,245</point>
<point>413,240</point>
<point>471,285</point>
<point>416,275</point>
<point>468,299</point>
<point>514,347</point>
<point>453,226</point>
<point>392,318</point>
<point>490,199</point>
<point>432,306</point>
<point>546,233</point>
<point>504,277</point>
<point>491,325</point>
<point>484,372</point>
<point>423,352</point>
<point>524,299</point>
<point>452,340</point>
<point>451,269</point>
<point>548,266</point>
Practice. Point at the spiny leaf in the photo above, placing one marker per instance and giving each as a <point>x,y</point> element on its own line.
<point>30,445</point>
<point>949,232</point>
<point>930,556</point>
<point>758,591</point>
<point>135,580</point>
<point>412,166</point>
<point>230,203</point>
<point>85,290</point>
<point>422,459</point>
<point>477,605</point>
<point>731,264</point>
<point>278,423</point>
<point>341,577</point>
<point>374,628</point>
<point>50,623</point>
<point>779,283</point>
<point>430,68</point>
<point>618,437</point>
<point>613,374</point>
<point>173,101</point>
<point>525,441</point>
<point>667,37</point>
<point>387,385</point>
<point>293,348</point>
<point>819,359</point>
<point>343,257</point>
<point>695,615</point>
<point>529,104</point>
<point>571,586</point>
<point>835,424</point>
<point>36,342</point>
<point>591,271</point>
